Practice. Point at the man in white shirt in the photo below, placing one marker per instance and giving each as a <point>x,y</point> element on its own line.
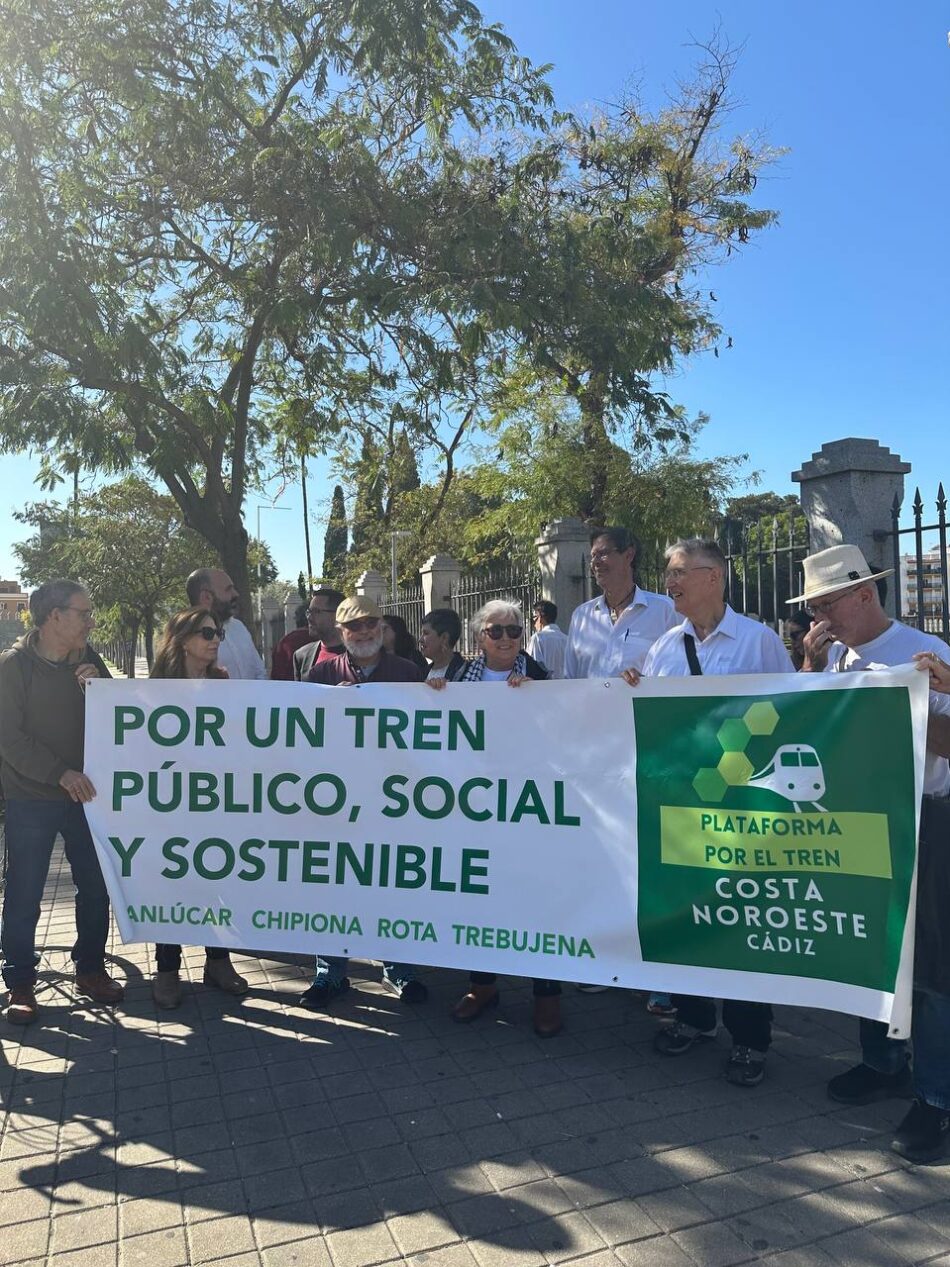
<point>214,589</point>
<point>615,631</point>
<point>548,643</point>
<point>713,639</point>
<point>851,631</point>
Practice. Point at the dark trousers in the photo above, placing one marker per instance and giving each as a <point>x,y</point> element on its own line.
<point>542,989</point>
<point>168,957</point>
<point>749,1024</point>
<point>31,830</point>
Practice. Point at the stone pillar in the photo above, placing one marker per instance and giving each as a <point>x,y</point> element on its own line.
<point>291,603</point>
<point>438,575</point>
<point>270,610</point>
<point>847,490</point>
<point>374,586</point>
<point>564,559</point>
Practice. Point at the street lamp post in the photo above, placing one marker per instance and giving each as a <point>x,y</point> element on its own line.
<point>260,574</point>
<point>394,536</point>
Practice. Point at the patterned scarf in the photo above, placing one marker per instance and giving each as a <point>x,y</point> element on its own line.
<point>476,667</point>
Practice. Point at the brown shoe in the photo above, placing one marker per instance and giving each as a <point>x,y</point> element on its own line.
<point>166,990</point>
<point>99,987</point>
<point>547,1016</point>
<point>220,974</point>
<point>21,1008</point>
<point>471,1005</point>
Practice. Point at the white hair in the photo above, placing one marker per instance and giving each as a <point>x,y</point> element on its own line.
<point>496,611</point>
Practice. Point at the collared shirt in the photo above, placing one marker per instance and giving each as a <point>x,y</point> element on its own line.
<point>896,645</point>
<point>596,647</point>
<point>341,668</point>
<point>238,654</point>
<point>736,645</point>
<point>548,646</point>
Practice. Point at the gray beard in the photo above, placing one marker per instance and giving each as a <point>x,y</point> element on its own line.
<point>363,650</point>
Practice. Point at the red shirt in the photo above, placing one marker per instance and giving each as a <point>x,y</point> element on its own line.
<point>282,665</point>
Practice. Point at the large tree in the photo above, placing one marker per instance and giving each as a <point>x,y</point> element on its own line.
<point>335,541</point>
<point>215,221</point>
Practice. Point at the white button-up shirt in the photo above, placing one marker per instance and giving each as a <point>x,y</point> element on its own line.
<point>547,646</point>
<point>238,654</point>
<point>596,647</point>
<point>896,645</point>
<point>736,645</point>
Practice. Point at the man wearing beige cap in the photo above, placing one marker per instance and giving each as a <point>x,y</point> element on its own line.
<point>851,631</point>
<point>363,659</point>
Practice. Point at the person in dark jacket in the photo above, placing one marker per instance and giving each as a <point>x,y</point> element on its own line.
<point>42,717</point>
<point>441,630</point>
<point>399,641</point>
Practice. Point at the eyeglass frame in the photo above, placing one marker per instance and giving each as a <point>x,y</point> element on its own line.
<point>362,624</point>
<point>210,632</point>
<point>85,614</point>
<point>677,574</point>
<point>817,609</point>
<point>497,632</point>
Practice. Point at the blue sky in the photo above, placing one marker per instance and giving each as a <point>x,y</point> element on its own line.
<point>839,316</point>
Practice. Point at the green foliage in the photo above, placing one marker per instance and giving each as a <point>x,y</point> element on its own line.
<point>335,542</point>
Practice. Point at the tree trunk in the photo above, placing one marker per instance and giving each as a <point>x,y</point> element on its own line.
<point>132,647</point>
<point>150,637</point>
<point>593,509</point>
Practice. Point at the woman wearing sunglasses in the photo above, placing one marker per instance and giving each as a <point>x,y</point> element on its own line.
<point>189,649</point>
<point>498,628</point>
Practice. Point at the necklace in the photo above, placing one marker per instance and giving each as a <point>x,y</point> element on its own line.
<point>616,610</point>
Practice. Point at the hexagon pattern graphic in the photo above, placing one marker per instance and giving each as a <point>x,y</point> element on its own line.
<point>734,768</point>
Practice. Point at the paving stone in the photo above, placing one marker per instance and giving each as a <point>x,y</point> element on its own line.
<point>214,1239</point>
<point>713,1245</point>
<point>312,1252</point>
<point>23,1241</point>
<point>457,1255</point>
<point>426,1229</point>
<point>148,1215</point>
<point>621,1221</point>
<point>564,1236</point>
<point>362,1246</point>
<point>88,1227</point>
<point>167,1248</point>
<point>658,1251</point>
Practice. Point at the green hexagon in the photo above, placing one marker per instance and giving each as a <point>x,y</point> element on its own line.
<point>761,718</point>
<point>733,735</point>
<point>710,785</point>
<point>735,768</point>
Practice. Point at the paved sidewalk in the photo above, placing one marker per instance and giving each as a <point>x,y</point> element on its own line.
<point>248,1132</point>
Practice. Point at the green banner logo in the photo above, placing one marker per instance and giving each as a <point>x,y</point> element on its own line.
<point>777,835</point>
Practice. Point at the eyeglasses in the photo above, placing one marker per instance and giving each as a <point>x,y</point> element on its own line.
<point>677,574</point>
<point>598,556</point>
<point>210,632</point>
<point>321,611</point>
<point>816,609</point>
<point>86,614</point>
<point>364,624</point>
<point>495,632</point>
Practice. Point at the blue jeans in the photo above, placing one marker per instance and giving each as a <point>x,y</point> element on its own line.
<point>32,828</point>
<point>930,1035</point>
<point>331,969</point>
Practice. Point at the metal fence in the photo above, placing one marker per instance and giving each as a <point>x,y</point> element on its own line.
<point>920,575</point>
<point>762,561</point>
<point>410,605</point>
<point>519,582</point>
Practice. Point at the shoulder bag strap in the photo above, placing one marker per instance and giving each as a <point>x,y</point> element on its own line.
<point>692,659</point>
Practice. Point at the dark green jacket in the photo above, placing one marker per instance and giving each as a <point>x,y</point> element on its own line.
<point>42,719</point>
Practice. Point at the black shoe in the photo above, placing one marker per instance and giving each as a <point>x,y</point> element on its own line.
<point>409,989</point>
<point>322,993</point>
<point>674,1039</point>
<point>924,1133</point>
<point>745,1067</point>
<point>862,1085</point>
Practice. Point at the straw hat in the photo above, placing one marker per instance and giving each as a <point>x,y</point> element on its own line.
<point>835,569</point>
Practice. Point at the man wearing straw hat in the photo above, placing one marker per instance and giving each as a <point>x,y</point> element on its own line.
<point>851,631</point>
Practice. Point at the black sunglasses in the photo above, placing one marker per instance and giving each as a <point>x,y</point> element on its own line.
<point>210,634</point>
<point>500,631</point>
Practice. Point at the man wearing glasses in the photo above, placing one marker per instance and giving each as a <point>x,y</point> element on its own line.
<point>324,637</point>
<point>364,659</point>
<point>42,717</point>
<point>713,639</point>
<point>851,631</point>
<point>616,630</point>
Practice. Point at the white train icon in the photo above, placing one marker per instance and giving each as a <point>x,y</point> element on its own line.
<point>794,773</point>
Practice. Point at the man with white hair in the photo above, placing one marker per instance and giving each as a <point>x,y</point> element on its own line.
<point>713,639</point>
<point>851,631</point>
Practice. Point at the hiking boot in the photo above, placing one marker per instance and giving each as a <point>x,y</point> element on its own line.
<point>99,987</point>
<point>220,974</point>
<point>745,1067</point>
<point>166,990</point>
<point>322,993</point>
<point>862,1085</point>
<point>408,986</point>
<point>679,1037</point>
<point>924,1133</point>
<point>21,1006</point>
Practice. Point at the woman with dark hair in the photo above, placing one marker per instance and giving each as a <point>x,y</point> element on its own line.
<point>397,640</point>
<point>498,628</point>
<point>441,630</point>
<point>796,626</point>
<point>189,649</point>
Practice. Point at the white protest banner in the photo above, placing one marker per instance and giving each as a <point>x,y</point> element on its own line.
<point>742,837</point>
